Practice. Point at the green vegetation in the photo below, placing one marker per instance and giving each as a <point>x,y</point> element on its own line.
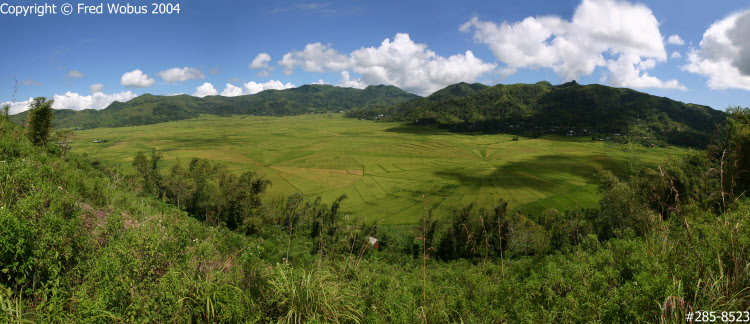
<point>536,109</point>
<point>39,121</point>
<point>387,170</point>
<point>82,241</point>
<point>149,109</point>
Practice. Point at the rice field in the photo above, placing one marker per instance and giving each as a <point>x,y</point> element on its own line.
<point>388,171</point>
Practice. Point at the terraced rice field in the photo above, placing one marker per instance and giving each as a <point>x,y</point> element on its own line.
<point>388,171</point>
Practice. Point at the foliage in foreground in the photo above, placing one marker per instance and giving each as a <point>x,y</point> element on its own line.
<point>82,242</point>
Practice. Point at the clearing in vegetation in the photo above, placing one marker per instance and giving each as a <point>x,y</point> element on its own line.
<point>383,168</point>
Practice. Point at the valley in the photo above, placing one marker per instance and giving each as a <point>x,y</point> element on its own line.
<point>388,171</point>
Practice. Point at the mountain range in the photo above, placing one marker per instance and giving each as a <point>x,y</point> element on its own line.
<point>150,109</point>
<point>522,109</point>
<point>541,108</point>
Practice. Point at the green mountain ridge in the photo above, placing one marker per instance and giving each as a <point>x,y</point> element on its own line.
<point>523,109</point>
<point>570,108</point>
<point>151,109</point>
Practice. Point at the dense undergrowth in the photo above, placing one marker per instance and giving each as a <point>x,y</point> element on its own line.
<point>82,242</point>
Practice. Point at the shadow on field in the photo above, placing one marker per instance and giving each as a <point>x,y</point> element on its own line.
<point>417,129</point>
<point>546,171</point>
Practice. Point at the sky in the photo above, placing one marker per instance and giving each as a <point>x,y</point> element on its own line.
<point>691,51</point>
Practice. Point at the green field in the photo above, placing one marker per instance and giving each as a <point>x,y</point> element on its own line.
<point>388,171</point>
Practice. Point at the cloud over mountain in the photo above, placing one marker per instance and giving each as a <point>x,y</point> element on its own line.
<point>175,75</point>
<point>620,36</point>
<point>253,87</point>
<point>205,89</point>
<point>402,62</point>
<point>75,101</point>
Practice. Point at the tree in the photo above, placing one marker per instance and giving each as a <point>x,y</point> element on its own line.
<point>180,185</point>
<point>39,120</point>
<point>64,136</point>
<point>149,170</point>
<point>730,153</point>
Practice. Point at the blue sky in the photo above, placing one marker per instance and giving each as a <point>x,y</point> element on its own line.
<point>242,47</point>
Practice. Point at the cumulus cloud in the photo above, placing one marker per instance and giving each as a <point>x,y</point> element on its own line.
<point>96,87</point>
<point>724,53</point>
<point>205,89</point>
<point>75,74</point>
<point>75,101</point>
<point>174,75</point>
<point>349,82</point>
<point>627,33</point>
<point>408,65</point>
<point>320,81</point>
<point>675,55</point>
<point>675,40</point>
<point>253,88</point>
<point>231,91</point>
<point>260,61</point>
<point>315,57</point>
<point>99,100</point>
<point>627,71</point>
<point>136,79</point>
<point>17,106</point>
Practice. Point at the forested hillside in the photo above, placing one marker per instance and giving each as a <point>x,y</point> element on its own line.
<point>81,241</point>
<point>536,109</point>
<point>150,109</point>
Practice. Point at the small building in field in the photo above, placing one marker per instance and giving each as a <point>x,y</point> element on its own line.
<point>374,242</point>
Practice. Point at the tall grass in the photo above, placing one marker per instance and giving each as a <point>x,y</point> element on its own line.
<point>301,296</point>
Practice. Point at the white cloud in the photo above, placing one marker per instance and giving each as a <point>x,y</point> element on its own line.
<point>320,81</point>
<point>675,40</point>
<point>231,91</point>
<point>628,33</point>
<point>75,74</point>
<point>401,62</point>
<point>675,55</point>
<point>627,71</point>
<point>96,87</point>
<point>75,101</point>
<point>347,82</point>
<point>17,106</point>
<point>205,89</point>
<point>136,79</point>
<point>174,75</point>
<point>253,88</point>
<point>260,61</point>
<point>99,100</point>
<point>724,53</point>
<point>315,57</point>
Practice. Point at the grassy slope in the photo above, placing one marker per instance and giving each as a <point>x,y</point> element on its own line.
<point>384,169</point>
<point>79,245</point>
